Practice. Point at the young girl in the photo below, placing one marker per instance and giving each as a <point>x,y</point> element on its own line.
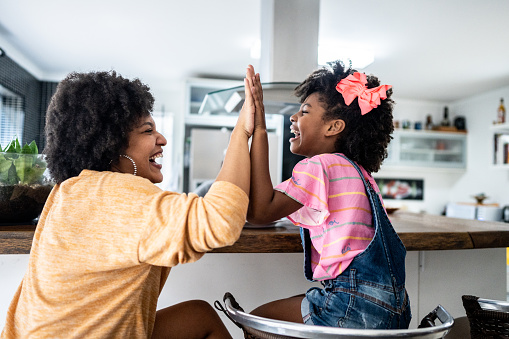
<point>343,128</point>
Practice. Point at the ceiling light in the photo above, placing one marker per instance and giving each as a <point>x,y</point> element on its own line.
<point>360,57</point>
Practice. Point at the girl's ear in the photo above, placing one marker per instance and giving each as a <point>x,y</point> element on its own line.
<point>335,127</point>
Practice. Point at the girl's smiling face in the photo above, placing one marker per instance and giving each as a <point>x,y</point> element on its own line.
<point>145,148</point>
<point>313,135</point>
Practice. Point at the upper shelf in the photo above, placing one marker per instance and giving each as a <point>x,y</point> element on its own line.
<point>278,98</point>
<point>500,127</point>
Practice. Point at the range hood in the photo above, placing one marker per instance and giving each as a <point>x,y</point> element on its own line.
<point>278,98</point>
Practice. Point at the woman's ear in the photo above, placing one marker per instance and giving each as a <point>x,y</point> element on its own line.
<point>335,127</point>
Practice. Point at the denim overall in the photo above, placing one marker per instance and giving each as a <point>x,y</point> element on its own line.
<point>371,292</point>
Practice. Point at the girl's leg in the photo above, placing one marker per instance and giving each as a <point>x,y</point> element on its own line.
<point>288,309</point>
<point>191,319</point>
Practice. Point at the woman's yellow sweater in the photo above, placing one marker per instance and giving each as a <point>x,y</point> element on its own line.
<point>102,251</point>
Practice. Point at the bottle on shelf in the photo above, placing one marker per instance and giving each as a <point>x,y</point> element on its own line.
<point>429,122</point>
<point>445,121</point>
<point>501,112</point>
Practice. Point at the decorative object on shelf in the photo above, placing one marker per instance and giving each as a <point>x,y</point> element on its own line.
<point>460,123</point>
<point>406,124</point>
<point>441,145</point>
<point>445,121</point>
<point>24,183</point>
<point>480,198</point>
<point>429,122</point>
<point>418,125</point>
<point>501,112</point>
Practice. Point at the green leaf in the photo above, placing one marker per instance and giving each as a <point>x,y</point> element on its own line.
<point>33,147</point>
<point>29,168</point>
<point>5,165</point>
<point>11,147</point>
<point>21,165</point>
<point>35,175</point>
<point>17,145</point>
<point>12,178</point>
<point>26,149</point>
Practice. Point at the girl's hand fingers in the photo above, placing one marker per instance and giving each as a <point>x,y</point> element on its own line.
<point>259,84</point>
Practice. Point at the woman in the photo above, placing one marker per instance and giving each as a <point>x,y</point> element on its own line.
<point>107,236</point>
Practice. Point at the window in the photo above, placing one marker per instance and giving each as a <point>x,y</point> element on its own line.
<point>12,116</point>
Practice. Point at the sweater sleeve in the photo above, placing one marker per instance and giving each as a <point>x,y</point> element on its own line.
<point>185,226</point>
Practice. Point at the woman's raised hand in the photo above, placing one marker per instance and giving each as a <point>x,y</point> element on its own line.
<point>237,163</point>
<point>246,119</point>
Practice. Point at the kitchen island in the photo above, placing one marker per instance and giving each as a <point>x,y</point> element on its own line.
<point>419,232</point>
<point>446,258</point>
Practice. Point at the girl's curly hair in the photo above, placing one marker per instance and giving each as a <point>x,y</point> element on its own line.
<point>365,137</point>
<point>89,119</point>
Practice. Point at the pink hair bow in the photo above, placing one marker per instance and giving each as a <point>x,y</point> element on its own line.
<point>354,86</point>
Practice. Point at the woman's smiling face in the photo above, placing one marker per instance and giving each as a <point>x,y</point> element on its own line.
<point>145,147</point>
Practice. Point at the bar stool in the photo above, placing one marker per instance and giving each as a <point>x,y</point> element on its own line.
<point>255,327</point>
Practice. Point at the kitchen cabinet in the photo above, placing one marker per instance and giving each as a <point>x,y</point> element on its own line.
<point>212,108</point>
<point>500,149</point>
<point>429,149</point>
<point>198,88</point>
<point>208,127</point>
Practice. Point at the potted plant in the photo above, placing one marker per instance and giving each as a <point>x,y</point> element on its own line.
<point>24,183</point>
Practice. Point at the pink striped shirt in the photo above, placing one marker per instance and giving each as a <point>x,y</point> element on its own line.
<point>336,211</point>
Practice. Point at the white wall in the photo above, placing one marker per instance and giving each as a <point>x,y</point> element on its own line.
<point>480,112</point>
<point>437,183</point>
<point>441,187</point>
<point>480,176</point>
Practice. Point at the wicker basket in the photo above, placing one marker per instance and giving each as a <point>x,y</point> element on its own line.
<point>485,323</point>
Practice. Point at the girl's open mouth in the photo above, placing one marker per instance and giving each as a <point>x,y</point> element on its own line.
<point>297,134</point>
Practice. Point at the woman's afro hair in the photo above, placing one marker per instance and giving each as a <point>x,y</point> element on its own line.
<point>89,119</point>
<point>365,137</point>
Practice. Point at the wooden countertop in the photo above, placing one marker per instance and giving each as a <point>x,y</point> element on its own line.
<point>419,232</point>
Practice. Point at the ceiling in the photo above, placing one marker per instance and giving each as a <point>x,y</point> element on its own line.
<point>433,50</point>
